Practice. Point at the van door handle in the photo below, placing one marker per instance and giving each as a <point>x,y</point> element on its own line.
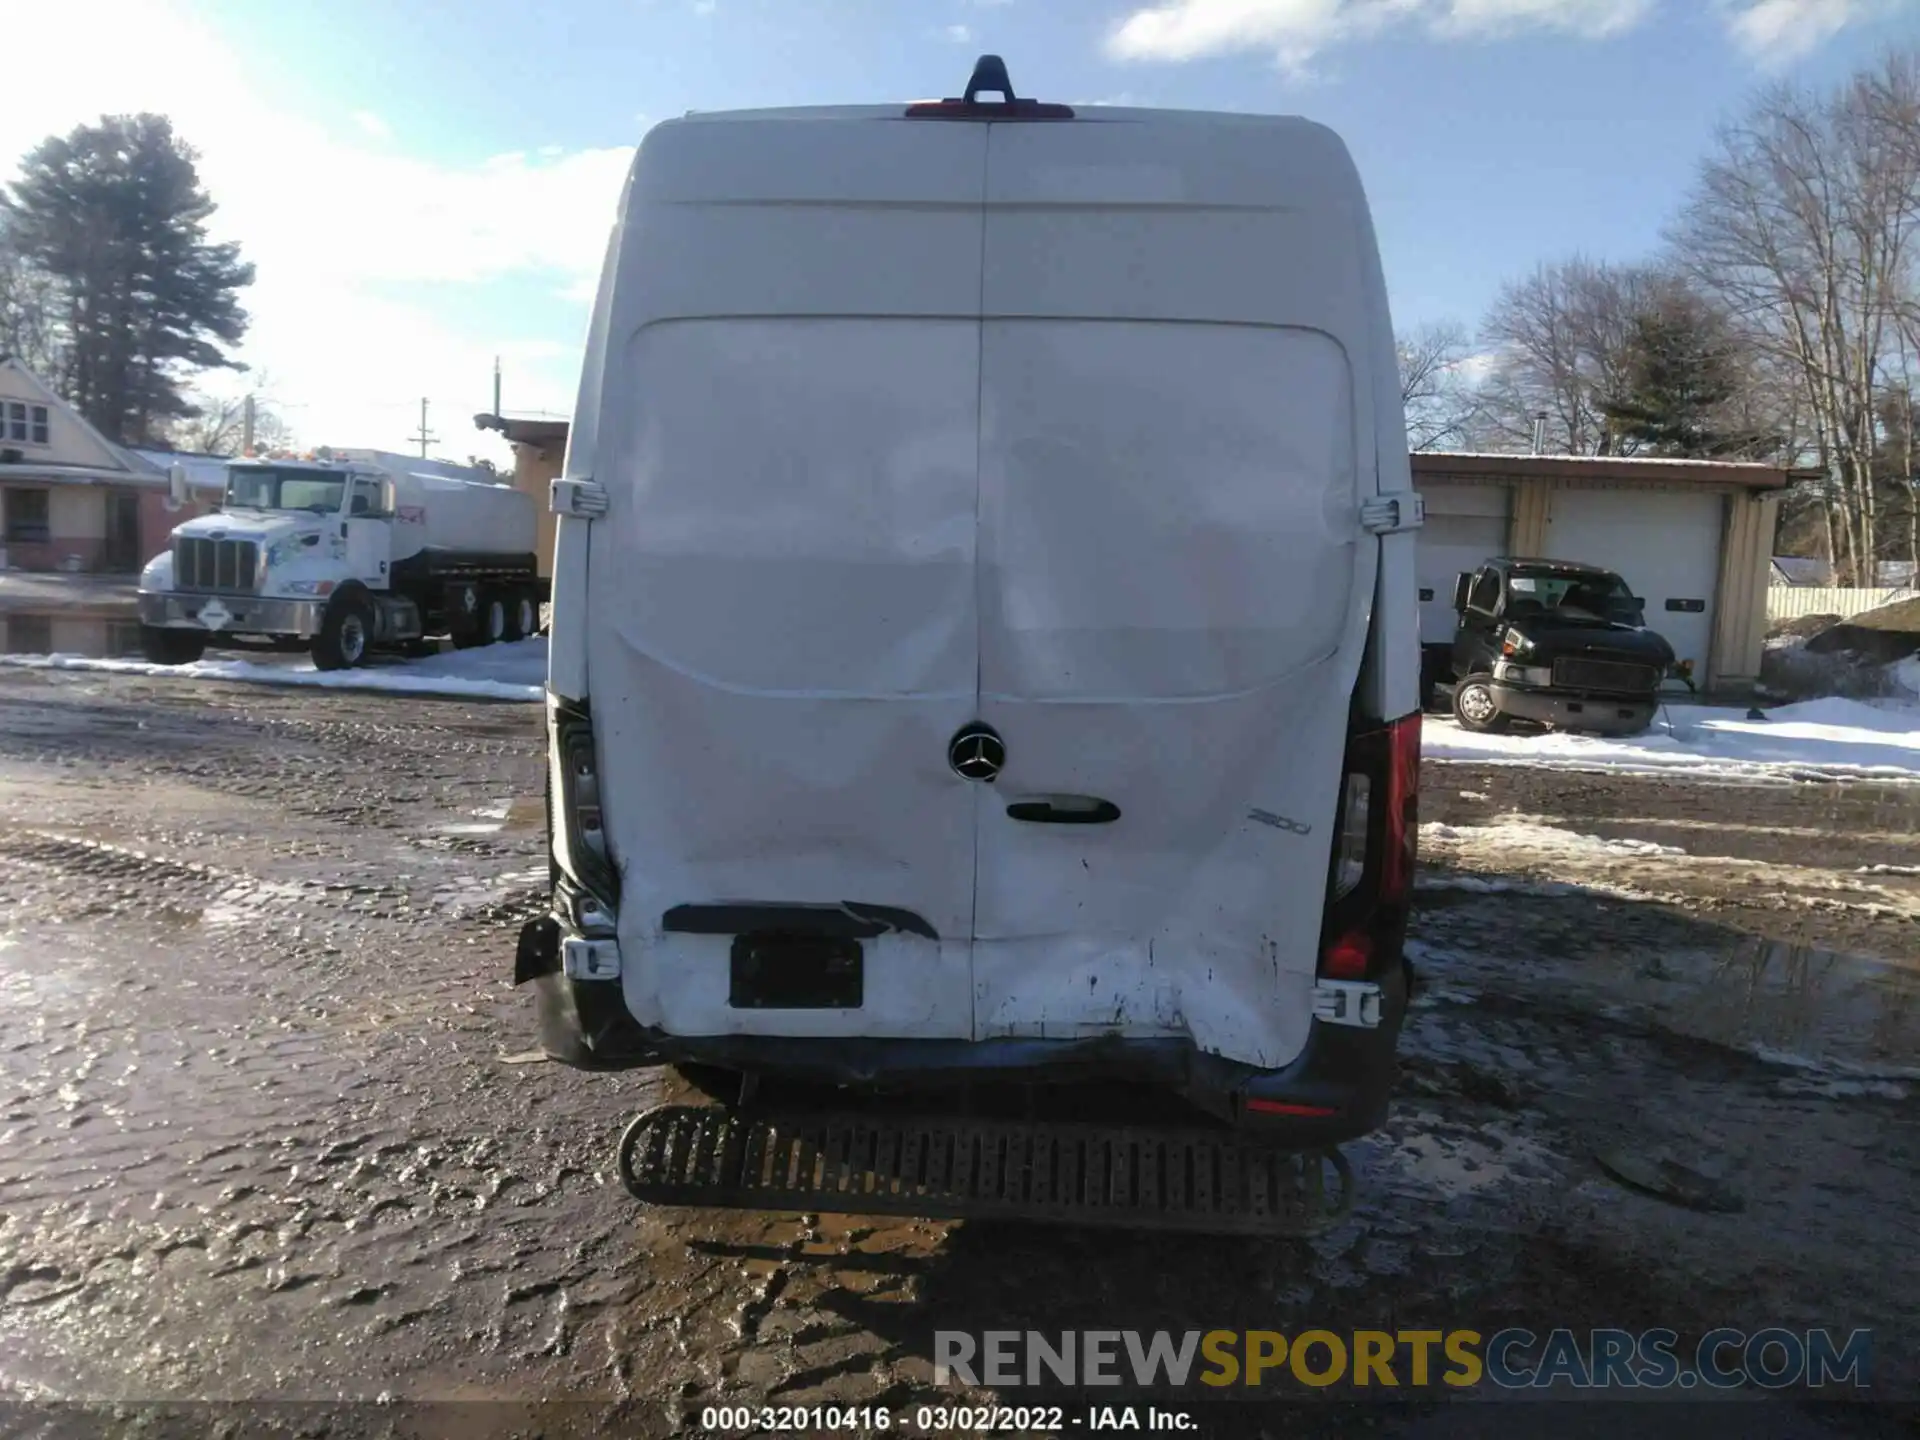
<point>1065,810</point>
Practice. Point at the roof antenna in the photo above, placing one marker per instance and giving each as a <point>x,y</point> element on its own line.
<point>989,74</point>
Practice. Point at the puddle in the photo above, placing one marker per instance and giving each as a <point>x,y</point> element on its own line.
<point>1793,1005</point>
<point>504,816</point>
<point>527,813</point>
<point>1456,1165</point>
<point>73,630</point>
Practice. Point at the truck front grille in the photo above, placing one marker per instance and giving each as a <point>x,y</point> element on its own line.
<point>226,565</point>
<point>1614,676</point>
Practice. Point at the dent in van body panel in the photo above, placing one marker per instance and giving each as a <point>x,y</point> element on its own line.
<point>1173,607</point>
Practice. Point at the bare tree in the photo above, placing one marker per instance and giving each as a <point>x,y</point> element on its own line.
<point>219,425</point>
<point>1436,386</point>
<point>1562,341</point>
<point>30,307</point>
<point>1803,223</point>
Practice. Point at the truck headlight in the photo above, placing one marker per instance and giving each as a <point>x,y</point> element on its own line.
<point>1523,674</point>
<point>315,588</point>
<point>1516,645</point>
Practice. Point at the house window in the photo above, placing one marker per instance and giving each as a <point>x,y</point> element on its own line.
<point>27,515</point>
<point>26,424</point>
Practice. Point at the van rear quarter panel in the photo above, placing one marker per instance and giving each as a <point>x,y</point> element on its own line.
<point>1194,229</point>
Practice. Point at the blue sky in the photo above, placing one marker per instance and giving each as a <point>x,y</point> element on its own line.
<point>424,185</point>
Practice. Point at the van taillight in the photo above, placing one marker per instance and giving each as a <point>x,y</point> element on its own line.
<point>1402,830</point>
<point>1373,857</point>
<point>1356,815</point>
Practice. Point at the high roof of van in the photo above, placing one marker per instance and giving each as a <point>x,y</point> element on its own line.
<point>1091,114</point>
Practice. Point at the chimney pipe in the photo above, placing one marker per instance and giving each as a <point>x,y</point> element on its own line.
<point>1540,433</point>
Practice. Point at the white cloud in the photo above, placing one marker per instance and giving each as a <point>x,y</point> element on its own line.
<point>1477,367</point>
<point>372,125</point>
<point>373,264</point>
<point>1297,30</point>
<point>958,34</point>
<point>1780,30</point>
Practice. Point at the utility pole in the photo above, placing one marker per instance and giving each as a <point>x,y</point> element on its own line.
<point>246,425</point>
<point>424,437</point>
<point>496,385</point>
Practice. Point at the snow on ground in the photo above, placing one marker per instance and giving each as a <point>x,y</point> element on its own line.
<point>1847,738</point>
<point>491,672</point>
<point>1905,675</point>
<point>1520,834</point>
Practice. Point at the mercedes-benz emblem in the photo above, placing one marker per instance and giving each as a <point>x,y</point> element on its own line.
<point>976,752</point>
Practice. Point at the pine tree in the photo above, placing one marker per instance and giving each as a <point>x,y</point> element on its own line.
<point>115,214</point>
<point>1679,379</point>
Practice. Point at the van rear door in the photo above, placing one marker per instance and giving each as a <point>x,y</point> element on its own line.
<point>1174,588</point>
<point>784,633</point>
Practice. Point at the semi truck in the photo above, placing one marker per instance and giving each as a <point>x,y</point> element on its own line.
<point>344,553</point>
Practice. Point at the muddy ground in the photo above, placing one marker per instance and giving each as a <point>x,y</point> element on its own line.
<point>269,1127</point>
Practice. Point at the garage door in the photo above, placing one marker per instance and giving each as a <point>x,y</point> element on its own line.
<point>1466,526</point>
<point>1664,543</point>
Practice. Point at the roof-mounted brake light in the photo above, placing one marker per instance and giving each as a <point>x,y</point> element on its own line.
<point>989,77</point>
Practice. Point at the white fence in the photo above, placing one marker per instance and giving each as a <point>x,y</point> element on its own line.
<point>1790,602</point>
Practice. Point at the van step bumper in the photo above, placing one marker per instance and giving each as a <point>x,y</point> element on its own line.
<point>1196,1181</point>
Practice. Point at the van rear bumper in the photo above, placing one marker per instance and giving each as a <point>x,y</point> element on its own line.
<point>1336,1089</point>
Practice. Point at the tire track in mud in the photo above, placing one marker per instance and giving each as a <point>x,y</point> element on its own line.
<point>121,880</point>
<point>129,873</point>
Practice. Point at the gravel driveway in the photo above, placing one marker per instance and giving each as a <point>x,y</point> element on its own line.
<point>272,1131</point>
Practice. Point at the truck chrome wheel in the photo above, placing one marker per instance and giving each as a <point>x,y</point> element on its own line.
<point>353,640</point>
<point>1474,706</point>
<point>344,636</point>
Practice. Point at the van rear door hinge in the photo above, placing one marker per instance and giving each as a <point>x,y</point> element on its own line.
<point>582,499</point>
<point>1392,514</point>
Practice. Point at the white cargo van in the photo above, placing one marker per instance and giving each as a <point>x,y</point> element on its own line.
<point>985,638</point>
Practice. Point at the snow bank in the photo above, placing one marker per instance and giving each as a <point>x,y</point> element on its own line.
<point>1904,676</point>
<point>492,672</point>
<point>1519,834</point>
<point>1825,738</point>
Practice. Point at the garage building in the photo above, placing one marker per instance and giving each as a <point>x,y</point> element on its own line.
<point>1693,538</point>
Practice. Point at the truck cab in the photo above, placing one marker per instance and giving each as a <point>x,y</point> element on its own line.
<point>1561,644</point>
<point>341,553</point>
